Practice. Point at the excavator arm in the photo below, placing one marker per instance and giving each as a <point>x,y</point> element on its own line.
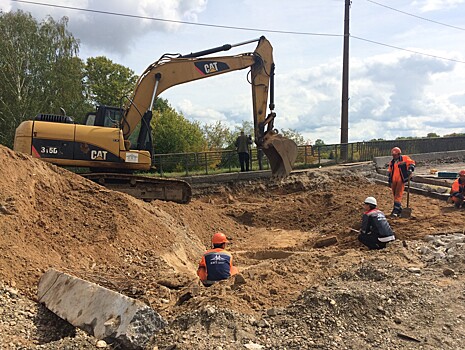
<point>171,70</point>
<point>103,142</point>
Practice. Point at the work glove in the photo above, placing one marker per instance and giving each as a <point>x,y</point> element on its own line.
<point>458,195</point>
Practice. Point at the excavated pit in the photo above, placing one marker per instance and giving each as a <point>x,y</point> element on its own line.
<point>150,251</point>
<point>266,254</point>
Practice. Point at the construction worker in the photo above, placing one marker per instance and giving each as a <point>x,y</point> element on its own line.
<point>242,146</point>
<point>400,170</point>
<point>216,263</point>
<point>457,191</point>
<point>375,231</point>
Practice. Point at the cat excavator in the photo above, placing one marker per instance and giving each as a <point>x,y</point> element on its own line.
<point>114,142</point>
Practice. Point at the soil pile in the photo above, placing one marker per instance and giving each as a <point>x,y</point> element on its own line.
<point>290,295</point>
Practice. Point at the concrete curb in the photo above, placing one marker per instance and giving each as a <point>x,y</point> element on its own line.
<point>99,311</point>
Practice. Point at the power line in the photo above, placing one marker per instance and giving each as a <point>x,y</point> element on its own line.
<point>419,17</point>
<point>176,21</point>
<point>231,27</point>
<point>400,48</point>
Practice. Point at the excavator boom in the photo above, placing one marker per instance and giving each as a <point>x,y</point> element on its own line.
<point>103,143</point>
<point>169,71</point>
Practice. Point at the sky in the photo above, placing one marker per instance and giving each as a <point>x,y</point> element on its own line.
<point>406,66</point>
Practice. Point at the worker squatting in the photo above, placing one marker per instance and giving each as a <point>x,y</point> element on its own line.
<point>375,232</point>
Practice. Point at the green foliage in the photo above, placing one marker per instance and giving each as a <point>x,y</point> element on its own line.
<point>108,82</point>
<point>432,134</point>
<point>319,142</point>
<point>374,140</point>
<point>455,134</point>
<point>162,105</point>
<point>406,138</point>
<point>217,135</point>
<point>172,133</point>
<point>39,70</point>
<point>247,127</point>
<point>293,135</point>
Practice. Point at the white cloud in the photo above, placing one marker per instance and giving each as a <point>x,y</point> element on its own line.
<point>5,5</point>
<point>434,5</point>
<point>392,92</point>
<point>199,113</point>
<point>390,96</point>
<point>115,33</point>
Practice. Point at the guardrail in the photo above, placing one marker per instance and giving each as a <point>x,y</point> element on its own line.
<point>226,160</point>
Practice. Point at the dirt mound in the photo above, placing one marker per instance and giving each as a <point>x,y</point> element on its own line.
<point>54,218</point>
<point>335,296</point>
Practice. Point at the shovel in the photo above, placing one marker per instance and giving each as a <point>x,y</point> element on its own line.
<point>407,212</point>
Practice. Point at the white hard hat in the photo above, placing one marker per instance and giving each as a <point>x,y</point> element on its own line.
<point>371,200</point>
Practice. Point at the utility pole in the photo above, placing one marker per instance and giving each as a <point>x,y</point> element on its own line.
<point>345,85</point>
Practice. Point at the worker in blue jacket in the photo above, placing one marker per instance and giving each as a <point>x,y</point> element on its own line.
<point>375,232</point>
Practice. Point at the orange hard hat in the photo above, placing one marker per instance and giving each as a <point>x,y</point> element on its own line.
<point>396,150</point>
<point>219,238</point>
<point>462,172</point>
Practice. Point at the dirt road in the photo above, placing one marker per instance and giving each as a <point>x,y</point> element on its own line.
<point>292,295</point>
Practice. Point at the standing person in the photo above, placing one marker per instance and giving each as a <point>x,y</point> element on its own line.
<point>242,146</point>
<point>216,263</point>
<point>400,170</point>
<point>375,231</point>
<point>457,191</point>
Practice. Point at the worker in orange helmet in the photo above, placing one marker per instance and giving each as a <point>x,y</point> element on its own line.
<point>216,263</point>
<point>457,191</point>
<point>400,169</point>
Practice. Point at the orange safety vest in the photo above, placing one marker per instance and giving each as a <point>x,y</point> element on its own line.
<point>399,168</point>
<point>457,187</point>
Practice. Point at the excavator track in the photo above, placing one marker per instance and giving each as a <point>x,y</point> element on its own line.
<point>145,187</point>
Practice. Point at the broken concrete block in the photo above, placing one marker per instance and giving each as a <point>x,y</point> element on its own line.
<point>101,312</point>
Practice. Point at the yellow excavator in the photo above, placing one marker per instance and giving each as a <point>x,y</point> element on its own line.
<point>115,142</point>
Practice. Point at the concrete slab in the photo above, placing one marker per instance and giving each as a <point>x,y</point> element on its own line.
<point>381,162</point>
<point>199,181</point>
<point>438,192</point>
<point>101,312</point>
<point>227,177</point>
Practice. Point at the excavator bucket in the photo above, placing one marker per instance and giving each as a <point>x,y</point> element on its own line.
<point>281,153</point>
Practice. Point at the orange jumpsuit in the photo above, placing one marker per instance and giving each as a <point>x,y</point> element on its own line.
<point>216,265</point>
<point>399,172</point>
<point>457,192</point>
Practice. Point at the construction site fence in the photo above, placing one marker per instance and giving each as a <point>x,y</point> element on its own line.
<point>226,160</point>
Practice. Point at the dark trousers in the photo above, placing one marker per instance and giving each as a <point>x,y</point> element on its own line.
<point>371,241</point>
<point>244,161</point>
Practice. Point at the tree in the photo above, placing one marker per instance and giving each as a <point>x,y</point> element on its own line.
<point>108,82</point>
<point>247,127</point>
<point>319,142</point>
<point>172,133</point>
<point>432,135</point>
<point>217,135</point>
<point>294,135</point>
<point>454,135</point>
<point>39,70</point>
<point>378,139</point>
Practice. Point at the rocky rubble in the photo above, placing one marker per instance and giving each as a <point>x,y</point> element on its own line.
<point>377,305</point>
<point>24,324</point>
<point>291,294</point>
<point>443,248</point>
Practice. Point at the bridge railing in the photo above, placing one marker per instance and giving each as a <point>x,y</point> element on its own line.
<point>226,160</point>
